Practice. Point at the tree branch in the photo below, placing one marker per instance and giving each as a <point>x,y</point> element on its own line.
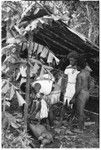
<point>90,23</point>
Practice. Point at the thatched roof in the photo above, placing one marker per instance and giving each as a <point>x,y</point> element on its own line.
<point>54,33</point>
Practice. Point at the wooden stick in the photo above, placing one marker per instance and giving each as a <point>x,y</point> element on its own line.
<point>91,112</point>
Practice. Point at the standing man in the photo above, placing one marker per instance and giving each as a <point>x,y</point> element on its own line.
<point>82,91</point>
<point>71,73</point>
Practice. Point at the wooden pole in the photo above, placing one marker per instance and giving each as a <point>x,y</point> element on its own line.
<point>27,95</point>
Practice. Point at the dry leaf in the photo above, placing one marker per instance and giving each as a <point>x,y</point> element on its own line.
<point>44,53</point>
<point>12,92</point>
<point>35,68</point>
<point>40,48</point>
<point>35,46</point>
<point>7,103</point>
<point>23,71</point>
<point>18,75</point>
<point>21,101</point>
<point>5,88</point>
<point>50,58</point>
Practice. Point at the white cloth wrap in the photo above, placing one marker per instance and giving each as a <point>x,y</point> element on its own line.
<point>70,88</point>
<point>44,109</point>
<point>43,113</point>
<point>46,83</point>
<point>46,86</point>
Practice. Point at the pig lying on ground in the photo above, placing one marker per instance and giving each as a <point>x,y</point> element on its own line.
<point>42,134</point>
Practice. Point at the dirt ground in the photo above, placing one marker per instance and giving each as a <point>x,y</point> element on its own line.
<point>63,137</point>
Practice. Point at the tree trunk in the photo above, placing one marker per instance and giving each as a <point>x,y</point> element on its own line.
<point>27,96</point>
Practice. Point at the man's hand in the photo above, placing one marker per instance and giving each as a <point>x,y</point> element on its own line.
<point>72,101</point>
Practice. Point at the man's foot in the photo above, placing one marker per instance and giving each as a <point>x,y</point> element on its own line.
<point>48,127</point>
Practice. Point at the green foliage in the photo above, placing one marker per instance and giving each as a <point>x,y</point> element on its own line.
<point>80,16</point>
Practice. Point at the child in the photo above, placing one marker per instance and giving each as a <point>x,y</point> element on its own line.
<point>82,91</point>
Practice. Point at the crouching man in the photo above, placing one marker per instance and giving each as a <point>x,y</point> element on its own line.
<point>40,108</point>
<point>82,92</point>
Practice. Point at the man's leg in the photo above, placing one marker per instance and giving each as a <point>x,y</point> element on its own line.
<point>51,116</point>
<point>81,115</point>
<point>82,98</point>
<point>72,114</point>
<point>79,112</point>
<point>63,110</point>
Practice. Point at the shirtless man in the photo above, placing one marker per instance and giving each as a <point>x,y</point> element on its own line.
<point>82,90</point>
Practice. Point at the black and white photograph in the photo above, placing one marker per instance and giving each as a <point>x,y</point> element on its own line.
<point>50,74</point>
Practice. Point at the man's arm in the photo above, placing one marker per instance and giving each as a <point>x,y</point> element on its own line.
<point>78,85</point>
<point>90,83</point>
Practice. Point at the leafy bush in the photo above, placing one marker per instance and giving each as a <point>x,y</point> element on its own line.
<point>21,141</point>
<point>13,134</point>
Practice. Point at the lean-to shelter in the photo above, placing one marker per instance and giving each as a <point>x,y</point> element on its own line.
<point>49,30</point>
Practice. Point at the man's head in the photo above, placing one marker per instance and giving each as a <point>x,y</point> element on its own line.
<point>73,57</point>
<point>36,88</point>
<point>81,63</point>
